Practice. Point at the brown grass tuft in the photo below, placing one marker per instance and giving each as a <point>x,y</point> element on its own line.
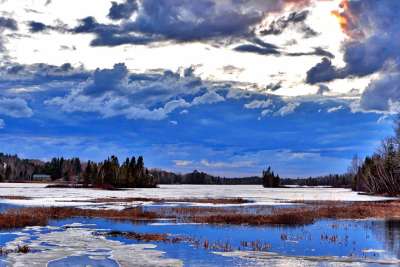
<point>146,237</point>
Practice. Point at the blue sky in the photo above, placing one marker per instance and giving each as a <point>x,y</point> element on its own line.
<point>225,87</point>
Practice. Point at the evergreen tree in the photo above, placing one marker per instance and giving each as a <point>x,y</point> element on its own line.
<point>87,174</point>
<point>270,179</point>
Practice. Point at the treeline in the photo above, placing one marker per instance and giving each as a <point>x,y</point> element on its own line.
<point>333,180</point>
<point>109,173</point>
<point>197,177</point>
<point>380,173</point>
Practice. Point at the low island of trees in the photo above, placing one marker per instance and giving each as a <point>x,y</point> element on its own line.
<point>269,179</point>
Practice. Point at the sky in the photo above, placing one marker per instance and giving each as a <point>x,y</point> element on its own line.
<point>222,86</point>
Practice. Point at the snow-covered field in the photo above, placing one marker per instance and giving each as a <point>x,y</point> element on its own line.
<point>42,196</point>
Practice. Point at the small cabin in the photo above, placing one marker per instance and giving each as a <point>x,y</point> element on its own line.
<point>41,177</point>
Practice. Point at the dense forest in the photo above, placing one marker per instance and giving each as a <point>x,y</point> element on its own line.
<point>109,173</point>
<point>380,173</point>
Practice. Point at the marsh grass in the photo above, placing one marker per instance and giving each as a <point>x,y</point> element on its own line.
<point>226,246</point>
<point>18,218</point>
<point>146,237</point>
<point>291,216</point>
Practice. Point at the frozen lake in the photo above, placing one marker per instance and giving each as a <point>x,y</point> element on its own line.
<point>42,196</point>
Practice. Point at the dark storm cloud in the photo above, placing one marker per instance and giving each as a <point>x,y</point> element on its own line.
<point>123,10</point>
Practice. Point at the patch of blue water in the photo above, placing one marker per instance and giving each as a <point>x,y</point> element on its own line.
<point>86,260</point>
<point>5,206</point>
<point>323,238</point>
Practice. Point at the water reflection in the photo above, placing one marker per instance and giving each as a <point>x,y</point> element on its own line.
<point>389,234</point>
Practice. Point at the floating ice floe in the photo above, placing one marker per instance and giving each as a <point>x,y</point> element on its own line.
<point>78,242</point>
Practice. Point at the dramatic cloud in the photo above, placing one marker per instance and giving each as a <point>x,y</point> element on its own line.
<point>294,19</point>
<point>180,20</point>
<point>373,28</point>
<point>122,11</point>
<point>15,107</point>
